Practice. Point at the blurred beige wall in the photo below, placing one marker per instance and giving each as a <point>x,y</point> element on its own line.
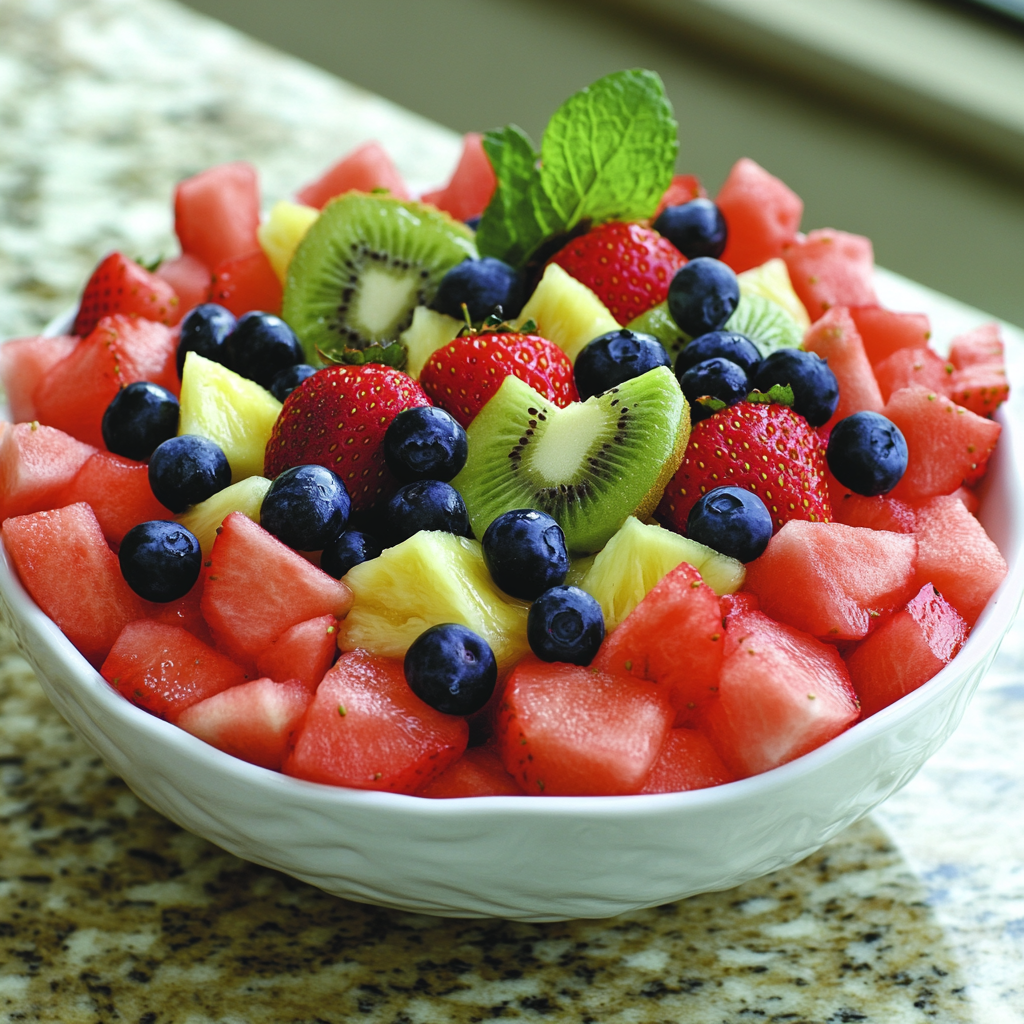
<point>934,211</point>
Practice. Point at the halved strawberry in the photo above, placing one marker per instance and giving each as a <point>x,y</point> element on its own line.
<point>120,285</point>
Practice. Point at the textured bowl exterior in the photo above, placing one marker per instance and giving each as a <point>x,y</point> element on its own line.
<point>530,858</point>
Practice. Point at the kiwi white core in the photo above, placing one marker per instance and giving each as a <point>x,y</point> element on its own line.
<point>384,299</point>
<point>561,452</point>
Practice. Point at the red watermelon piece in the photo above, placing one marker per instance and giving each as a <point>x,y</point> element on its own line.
<point>92,604</point>
<point>190,279</point>
<point>906,651</point>
<point>305,652</point>
<point>831,268</point>
<point>830,580</point>
<point>472,184</point>
<point>120,285</point>
<point>884,332</point>
<point>913,367</point>
<point>23,364</point>
<point>164,669</point>
<point>37,464</point>
<point>245,283</point>
<point>564,730</point>
<point>217,212</point>
<point>970,500</point>
<point>979,379</point>
<point>684,189</point>
<point>364,169</point>
<point>875,513</point>
<point>184,613</point>
<point>687,761</point>
<point>366,729</point>
<point>479,772</point>
<point>982,346</point>
<point>254,721</point>
<point>761,213</point>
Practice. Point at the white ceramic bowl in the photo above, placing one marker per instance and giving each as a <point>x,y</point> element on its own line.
<point>532,858</point>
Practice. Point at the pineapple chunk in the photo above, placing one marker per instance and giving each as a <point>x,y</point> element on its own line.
<point>428,332</point>
<point>632,563</point>
<point>428,579</point>
<point>234,412</point>
<point>204,519</point>
<point>771,280</point>
<point>567,312</point>
<point>279,235</point>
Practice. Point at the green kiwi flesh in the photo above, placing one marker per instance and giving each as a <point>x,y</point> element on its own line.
<point>766,324</point>
<point>590,465</point>
<point>366,263</point>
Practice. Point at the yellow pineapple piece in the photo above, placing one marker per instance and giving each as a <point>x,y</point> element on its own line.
<point>632,563</point>
<point>234,412</point>
<point>279,235</point>
<point>428,579</point>
<point>567,312</point>
<point>428,332</point>
<point>204,519</point>
<point>771,280</point>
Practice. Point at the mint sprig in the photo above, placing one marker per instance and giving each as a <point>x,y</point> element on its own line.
<point>608,153</point>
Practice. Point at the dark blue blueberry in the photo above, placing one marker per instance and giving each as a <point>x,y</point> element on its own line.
<point>452,669</point>
<point>186,470</point>
<point>160,561</point>
<point>425,505</point>
<point>305,508</point>
<point>351,548</point>
<point>203,331</point>
<point>732,521</point>
<point>815,388</point>
<point>261,346</point>
<point>703,295</point>
<point>525,553</point>
<point>289,379</point>
<point>867,453</point>
<point>425,443</point>
<point>616,357</point>
<point>696,228</point>
<point>713,378</point>
<point>482,285</point>
<point>737,348</point>
<point>139,417</point>
<point>565,624</point>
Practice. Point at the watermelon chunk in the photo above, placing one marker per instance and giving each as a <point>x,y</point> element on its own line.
<point>23,364</point>
<point>982,346</point>
<point>906,651</point>
<point>875,513</point>
<point>37,464</point>
<point>472,184</point>
<point>687,761</point>
<point>254,721</point>
<point>184,613</point>
<point>884,332</point>
<point>831,268</point>
<point>572,731</point>
<point>365,728</point>
<point>217,212</point>
<point>165,669</point>
<point>831,580</point>
<point>684,189</point>
<point>970,500</point>
<point>304,653</point>
<point>246,283</point>
<point>782,694</point>
<point>92,604</point>
<point>479,772</point>
<point>913,367</point>
<point>979,379</point>
<point>256,588</point>
<point>957,556</point>
<point>120,285</point>
<point>364,169</point>
<point>761,213</point>
<point>190,279</point>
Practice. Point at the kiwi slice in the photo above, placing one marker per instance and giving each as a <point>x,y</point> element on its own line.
<point>765,323</point>
<point>658,321</point>
<point>590,465</point>
<point>362,268</point>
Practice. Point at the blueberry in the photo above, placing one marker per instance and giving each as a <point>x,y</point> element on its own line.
<point>713,378</point>
<point>347,550</point>
<point>525,553</point>
<point>203,331</point>
<point>186,470</point>
<point>732,521</point>
<point>452,669</point>
<point>425,505</point>
<point>261,346</point>
<point>737,348</point>
<point>815,389</point>
<point>702,296</point>
<point>160,560</point>
<point>139,417</point>
<point>867,453</point>
<point>565,624</point>
<point>305,508</point>
<point>616,357</point>
<point>482,285</point>
<point>425,443</point>
<point>289,379</point>
<point>696,228</point>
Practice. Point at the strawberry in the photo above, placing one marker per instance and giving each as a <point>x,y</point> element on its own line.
<point>337,418</point>
<point>119,285</point>
<point>768,448</point>
<point>463,376</point>
<point>629,267</point>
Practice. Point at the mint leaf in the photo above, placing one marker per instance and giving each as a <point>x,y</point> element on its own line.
<point>387,355</point>
<point>777,394</point>
<point>714,404</point>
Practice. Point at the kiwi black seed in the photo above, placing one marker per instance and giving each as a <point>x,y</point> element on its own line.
<point>366,263</point>
<point>589,466</point>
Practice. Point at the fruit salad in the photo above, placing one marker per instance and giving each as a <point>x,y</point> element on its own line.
<point>561,479</point>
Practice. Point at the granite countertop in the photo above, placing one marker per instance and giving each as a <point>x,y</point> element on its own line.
<point>108,912</point>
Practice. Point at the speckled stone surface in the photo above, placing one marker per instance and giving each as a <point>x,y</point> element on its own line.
<point>110,913</point>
